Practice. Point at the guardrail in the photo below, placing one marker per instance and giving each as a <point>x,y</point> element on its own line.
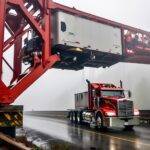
<point>51,114</point>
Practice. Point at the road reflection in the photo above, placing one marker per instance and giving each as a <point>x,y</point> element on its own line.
<point>82,137</point>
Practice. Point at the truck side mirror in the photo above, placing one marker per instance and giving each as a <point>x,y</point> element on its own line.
<point>129,94</point>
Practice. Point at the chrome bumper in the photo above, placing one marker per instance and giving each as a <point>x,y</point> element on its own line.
<point>120,122</point>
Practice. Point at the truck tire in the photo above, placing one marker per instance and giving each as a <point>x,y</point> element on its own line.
<point>75,117</point>
<point>99,121</point>
<point>79,118</point>
<point>71,116</point>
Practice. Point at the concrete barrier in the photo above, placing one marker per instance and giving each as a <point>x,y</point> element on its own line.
<point>50,114</point>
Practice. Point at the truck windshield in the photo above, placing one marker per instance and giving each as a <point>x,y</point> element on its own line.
<point>112,93</point>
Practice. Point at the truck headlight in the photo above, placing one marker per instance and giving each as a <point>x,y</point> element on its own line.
<point>110,113</point>
<point>136,112</point>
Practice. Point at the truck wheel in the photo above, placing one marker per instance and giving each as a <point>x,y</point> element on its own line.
<point>71,117</point>
<point>99,121</point>
<point>75,117</point>
<point>79,118</point>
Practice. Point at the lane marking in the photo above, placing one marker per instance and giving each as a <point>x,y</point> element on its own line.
<point>114,137</point>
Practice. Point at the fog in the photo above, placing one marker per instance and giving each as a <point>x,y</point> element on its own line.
<point>55,89</point>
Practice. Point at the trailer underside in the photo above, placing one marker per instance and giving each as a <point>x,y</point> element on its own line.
<point>74,58</point>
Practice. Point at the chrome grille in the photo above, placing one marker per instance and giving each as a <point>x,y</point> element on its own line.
<point>125,108</point>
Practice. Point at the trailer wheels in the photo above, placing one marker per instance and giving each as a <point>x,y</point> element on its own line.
<point>71,117</point>
<point>79,118</point>
<point>75,117</point>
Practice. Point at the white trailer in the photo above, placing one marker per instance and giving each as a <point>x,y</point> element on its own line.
<point>83,33</point>
<point>78,34</point>
<point>81,100</point>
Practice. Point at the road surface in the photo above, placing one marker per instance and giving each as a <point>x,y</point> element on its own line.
<point>49,130</point>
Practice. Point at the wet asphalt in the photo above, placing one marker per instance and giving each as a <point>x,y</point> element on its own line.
<point>50,133</point>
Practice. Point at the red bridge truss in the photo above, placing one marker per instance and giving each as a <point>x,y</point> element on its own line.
<point>19,17</point>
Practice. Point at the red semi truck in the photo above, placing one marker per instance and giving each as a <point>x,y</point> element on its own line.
<point>104,105</point>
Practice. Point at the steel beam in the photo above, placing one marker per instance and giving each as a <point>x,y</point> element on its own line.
<point>2,23</point>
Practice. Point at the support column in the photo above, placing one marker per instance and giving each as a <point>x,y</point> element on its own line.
<point>17,59</point>
<point>47,34</point>
<point>2,23</point>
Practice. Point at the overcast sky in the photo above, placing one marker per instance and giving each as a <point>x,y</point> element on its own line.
<point>55,90</point>
<point>131,12</point>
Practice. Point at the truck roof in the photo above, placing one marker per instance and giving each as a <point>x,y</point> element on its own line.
<point>105,86</point>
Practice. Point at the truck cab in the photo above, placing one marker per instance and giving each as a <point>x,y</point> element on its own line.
<point>104,105</point>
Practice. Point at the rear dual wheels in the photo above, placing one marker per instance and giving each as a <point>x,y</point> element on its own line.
<point>71,116</point>
<point>75,117</point>
<point>79,118</point>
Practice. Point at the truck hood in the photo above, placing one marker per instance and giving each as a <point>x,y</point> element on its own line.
<point>122,99</point>
<point>116,98</point>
